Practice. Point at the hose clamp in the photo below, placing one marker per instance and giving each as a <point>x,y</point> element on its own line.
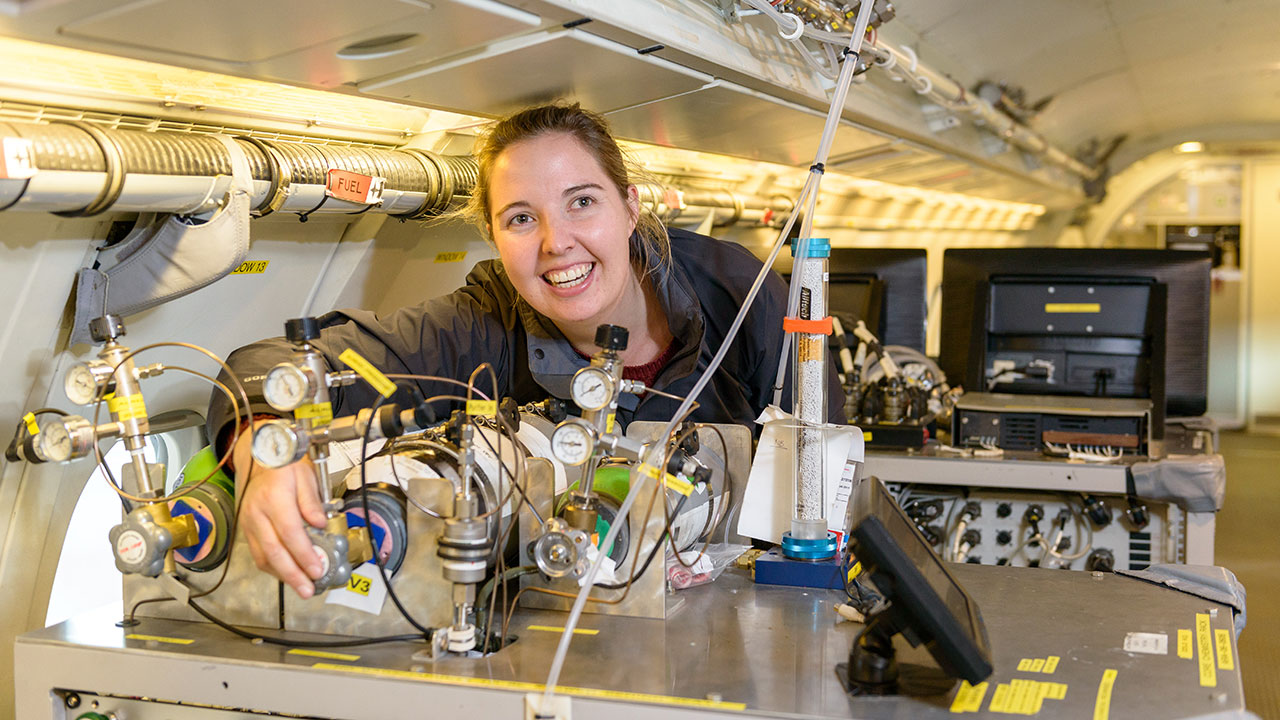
<point>113,158</point>
<point>281,176</point>
<point>437,197</point>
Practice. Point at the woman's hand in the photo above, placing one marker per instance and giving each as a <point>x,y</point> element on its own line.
<point>277,505</point>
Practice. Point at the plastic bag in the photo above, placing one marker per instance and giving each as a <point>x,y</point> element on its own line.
<point>703,566</point>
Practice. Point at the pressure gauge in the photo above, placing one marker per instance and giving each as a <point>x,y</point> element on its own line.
<point>572,442</point>
<point>278,443</point>
<point>286,386</point>
<point>592,388</point>
<point>64,438</point>
<point>82,381</point>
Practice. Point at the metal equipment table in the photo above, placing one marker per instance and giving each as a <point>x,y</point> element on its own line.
<point>734,648</point>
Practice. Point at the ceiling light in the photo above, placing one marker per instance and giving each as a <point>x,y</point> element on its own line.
<point>1190,147</point>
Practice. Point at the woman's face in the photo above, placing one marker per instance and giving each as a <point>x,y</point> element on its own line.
<point>563,230</point>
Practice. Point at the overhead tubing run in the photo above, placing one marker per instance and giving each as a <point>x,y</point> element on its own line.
<point>903,64</point>
<point>78,169</point>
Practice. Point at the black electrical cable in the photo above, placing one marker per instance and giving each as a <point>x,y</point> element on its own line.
<point>357,642</point>
<point>364,503</point>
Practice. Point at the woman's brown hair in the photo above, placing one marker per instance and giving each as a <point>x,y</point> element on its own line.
<point>650,248</point>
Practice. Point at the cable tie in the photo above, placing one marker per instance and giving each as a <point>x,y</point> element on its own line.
<point>305,216</point>
<point>846,52</point>
<point>819,168</point>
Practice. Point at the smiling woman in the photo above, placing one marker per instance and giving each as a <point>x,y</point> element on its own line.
<point>576,250</point>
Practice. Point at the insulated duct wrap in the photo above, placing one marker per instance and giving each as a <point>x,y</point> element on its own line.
<point>83,169</point>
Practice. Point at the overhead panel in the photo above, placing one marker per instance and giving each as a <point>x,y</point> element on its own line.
<point>558,64</point>
<point>732,120</point>
<point>262,30</point>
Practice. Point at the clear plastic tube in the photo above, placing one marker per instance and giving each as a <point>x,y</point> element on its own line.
<point>810,189</point>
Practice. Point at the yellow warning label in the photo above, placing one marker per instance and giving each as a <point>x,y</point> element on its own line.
<point>1057,691</point>
<point>1186,647</point>
<point>1204,651</point>
<point>359,584</point>
<point>127,408</point>
<point>1022,697</point>
<point>366,370</point>
<point>866,436</point>
<point>251,267</point>
<point>318,413</point>
<point>608,423</point>
<point>447,257</point>
<point>1051,664</point>
<point>969,697</point>
<point>1102,706</point>
<point>551,628</point>
<point>323,654</point>
<point>1024,665</point>
<point>1037,665</point>
<point>1222,639</point>
<point>1072,308</point>
<point>32,428</point>
<point>536,687</point>
<point>158,638</point>
<point>483,408</point>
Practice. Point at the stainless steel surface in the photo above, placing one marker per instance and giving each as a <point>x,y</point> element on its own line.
<point>765,650</point>
<point>1096,406</point>
<point>1026,471</point>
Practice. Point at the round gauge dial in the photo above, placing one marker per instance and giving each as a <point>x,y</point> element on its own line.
<point>572,443</point>
<point>286,387</point>
<point>80,384</point>
<point>591,389</point>
<point>54,441</point>
<point>277,443</point>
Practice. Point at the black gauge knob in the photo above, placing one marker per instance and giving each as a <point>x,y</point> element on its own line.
<point>299,330</point>
<point>107,327</point>
<point>611,337</point>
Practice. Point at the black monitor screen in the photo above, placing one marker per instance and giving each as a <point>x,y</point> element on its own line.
<point>885,288</point>
<point>1059,321</point>
<point>928,604</point>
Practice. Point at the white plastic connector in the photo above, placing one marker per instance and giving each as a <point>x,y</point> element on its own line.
<point>462,639</point>
<point>557,708</point>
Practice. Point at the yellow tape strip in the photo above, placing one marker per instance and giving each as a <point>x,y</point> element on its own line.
<point>680,485</point>
<point>1204,651</point>
<point>551,628</point>
<point>855,571</point>
<point>127,408</point>
<point>323,654</point>
<point>1037,665</point>
<point>1051,664</point>
<point>1102,706</point>
<point>969,697</point>
<point>535,687</point>
<point>1024,665</point>
<point>158,638</point>
<point>1186,647</point>
<point>866,436</point>
<point>483,408</point>
<point>33,429</point>
<point>1072,308</point>
<point>319,413</point>
<point>448,257</point>
<point>366,370</point>
<point>608,423</point>
<point>1000,699</point>
<point>1057,691</point>
<point>1226,660</point>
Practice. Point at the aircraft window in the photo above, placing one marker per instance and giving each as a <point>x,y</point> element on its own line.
<point>86,578</point>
